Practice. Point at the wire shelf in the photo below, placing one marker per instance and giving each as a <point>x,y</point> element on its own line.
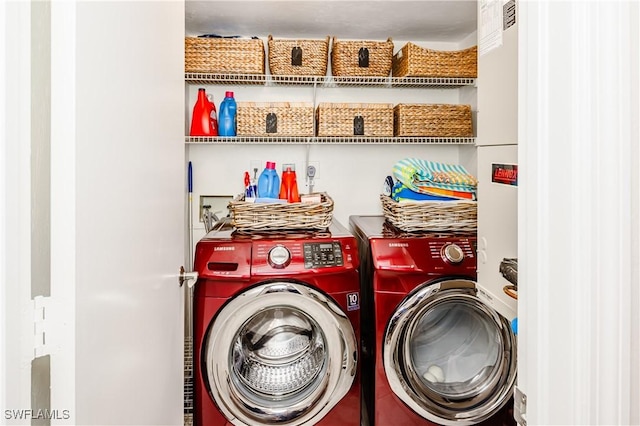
<point>329,81</point>
<point>321,140</point>
<point>188,376</point>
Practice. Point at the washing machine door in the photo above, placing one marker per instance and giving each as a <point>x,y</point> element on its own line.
<point>448,356</point>
<point>279,353</point>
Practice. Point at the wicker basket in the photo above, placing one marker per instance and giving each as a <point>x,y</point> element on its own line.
<point>274,119</point>
<point>338,119</point>
<point>223,55</point>
<point>361,58</point>
<point>275,217</point>
<point>431,216</point>
<point>432,120</point>
<point>416,61</point>
<point>298,57</point>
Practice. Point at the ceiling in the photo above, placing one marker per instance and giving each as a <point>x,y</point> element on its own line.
<point>432,20</point>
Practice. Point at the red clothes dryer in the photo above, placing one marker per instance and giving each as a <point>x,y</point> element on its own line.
<point>276,328</point>
<point>433,352</point>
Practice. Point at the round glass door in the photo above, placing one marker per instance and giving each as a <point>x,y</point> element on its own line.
<point>449,356</point>
<point>279,353</point>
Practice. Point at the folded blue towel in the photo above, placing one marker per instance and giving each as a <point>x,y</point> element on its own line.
<point>402,193</point>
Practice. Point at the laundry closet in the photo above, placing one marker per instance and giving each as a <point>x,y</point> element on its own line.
<point>352,170</point>
<point>96,197</point>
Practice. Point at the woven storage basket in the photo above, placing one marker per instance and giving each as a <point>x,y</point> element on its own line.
<point>361,58</point>
<point>274,119</point>
<point>298,57</point>
<point>416,61</point>
<point>350,119</point>
<point>223,55</point>
<point>431,216</point>
<point>432,120</point>
<point>274,217</point>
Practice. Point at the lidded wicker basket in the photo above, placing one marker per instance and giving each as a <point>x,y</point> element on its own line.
<point>298,57</point>
<point>274,119</point>
<point>354,119</point>
<point>223,55</point>
<point>415,61</point>
<point>361,58</point>
<point>437,120</point>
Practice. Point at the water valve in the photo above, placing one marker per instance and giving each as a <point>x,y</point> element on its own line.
<point>311,172</point>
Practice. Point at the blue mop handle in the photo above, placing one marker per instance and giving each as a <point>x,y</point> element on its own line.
<point>190,175</point>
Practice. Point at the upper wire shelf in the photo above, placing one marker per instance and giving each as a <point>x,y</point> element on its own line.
<point>329,81</point>
<point>226,140</point>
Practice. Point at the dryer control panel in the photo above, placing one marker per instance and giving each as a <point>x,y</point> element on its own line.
<point>321,255</point>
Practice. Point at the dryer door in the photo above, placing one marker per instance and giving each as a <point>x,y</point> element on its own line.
<point>279,353</point>
<point>448,356</point>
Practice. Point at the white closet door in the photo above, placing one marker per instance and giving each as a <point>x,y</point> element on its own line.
<point>127,156</point>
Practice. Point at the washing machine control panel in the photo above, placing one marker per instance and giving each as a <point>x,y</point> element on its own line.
<point>322,254</point>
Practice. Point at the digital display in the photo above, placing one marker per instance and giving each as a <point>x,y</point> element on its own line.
<point>327,246</point>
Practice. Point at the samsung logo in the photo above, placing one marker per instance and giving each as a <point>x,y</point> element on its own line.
<point>398,244</point>
<point>224,248</point>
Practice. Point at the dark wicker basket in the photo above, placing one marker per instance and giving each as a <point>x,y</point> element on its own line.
<point>416,61</point>
<point>352,119</point>
<point>437,120</point>
<point>298,57</point>
<point>274,119</point>
<point>361,58</point>
<point>223,55</point>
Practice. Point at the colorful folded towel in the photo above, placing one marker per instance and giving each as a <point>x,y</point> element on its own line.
<point>439,179</point>
<point>402,193</point>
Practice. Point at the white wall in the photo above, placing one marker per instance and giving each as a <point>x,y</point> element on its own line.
<point>352,175</point>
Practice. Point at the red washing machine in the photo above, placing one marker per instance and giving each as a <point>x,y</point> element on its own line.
<point>277,328</point>
<point>433,352</point>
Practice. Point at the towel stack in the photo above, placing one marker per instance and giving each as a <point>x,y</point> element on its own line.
<point>418,179</point>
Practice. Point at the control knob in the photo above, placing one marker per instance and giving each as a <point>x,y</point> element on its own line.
<point>279,257</point>
<point>452,253</point>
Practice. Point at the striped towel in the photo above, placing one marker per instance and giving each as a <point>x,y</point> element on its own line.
<point>430,177</point>
<point>402,193</point>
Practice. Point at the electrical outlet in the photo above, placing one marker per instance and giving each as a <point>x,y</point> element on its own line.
<point>313,170</point>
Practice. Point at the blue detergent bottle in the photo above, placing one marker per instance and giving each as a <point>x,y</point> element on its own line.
<point>227,116</point>
<point>269,182</point>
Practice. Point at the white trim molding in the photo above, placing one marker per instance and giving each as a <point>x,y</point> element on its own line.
<point>578,210</point>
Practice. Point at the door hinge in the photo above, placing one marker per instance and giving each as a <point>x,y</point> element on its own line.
<point>189,277</point>
<point>41,313</point>
<point>520,407</point>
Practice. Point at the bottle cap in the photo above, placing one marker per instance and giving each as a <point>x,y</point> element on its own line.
<point>271,165</point>
<point>228,94</point>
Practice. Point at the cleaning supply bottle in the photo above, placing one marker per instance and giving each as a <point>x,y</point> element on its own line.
<point>289,185</point>
<point>268,182</point>
<point>227,116</point>
<point>201,117</point>
<point>214,116</point>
